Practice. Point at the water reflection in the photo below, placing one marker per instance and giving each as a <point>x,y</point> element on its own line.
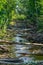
<point>24,52</point>
<point>19,39</point>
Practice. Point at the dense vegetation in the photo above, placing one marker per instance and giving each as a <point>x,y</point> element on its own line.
<point>21,22</point>
<point>31,10</point>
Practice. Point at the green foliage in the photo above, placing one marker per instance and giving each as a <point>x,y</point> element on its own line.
<point>17,16</point>
<point>6,8</point>
<point>33,9</point>
<point>20,9</point>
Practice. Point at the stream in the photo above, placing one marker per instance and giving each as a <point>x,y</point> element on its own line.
<point>28,54</point>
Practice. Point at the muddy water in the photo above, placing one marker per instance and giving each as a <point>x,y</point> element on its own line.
<point>29,54</point>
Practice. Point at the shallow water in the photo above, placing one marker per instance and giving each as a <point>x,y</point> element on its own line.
<point>28,53</point>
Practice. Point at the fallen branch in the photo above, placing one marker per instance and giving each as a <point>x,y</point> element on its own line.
<point>19,43</point>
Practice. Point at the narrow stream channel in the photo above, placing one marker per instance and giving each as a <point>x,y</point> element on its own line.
<point>28,54</point>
